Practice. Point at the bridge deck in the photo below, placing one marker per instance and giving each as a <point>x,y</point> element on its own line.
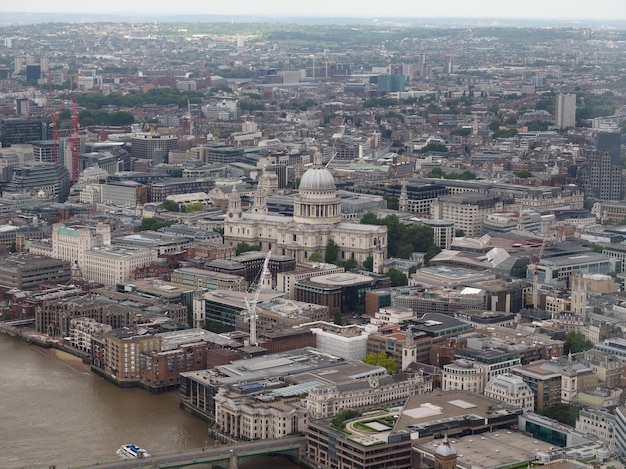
<point>218,456</point>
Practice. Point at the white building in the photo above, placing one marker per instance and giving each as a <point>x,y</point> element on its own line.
<point>316,221</point>
<point>347,342</point>
<point>329,399</point>
<point>512,390</point>
<point>81,331</point>
<point>393,315</point>
<point>463,375</point>
<point>565,110</point>
<point>286,280</point>
<point>114,264</point>
<point>89,250</point>
<point>257,419</point>
<point>598,422</point>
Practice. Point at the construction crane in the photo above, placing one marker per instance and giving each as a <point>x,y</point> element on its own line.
<point>251,305</point>
<point>54,122</point>
<point>535,263</point>
<point>75,143</point>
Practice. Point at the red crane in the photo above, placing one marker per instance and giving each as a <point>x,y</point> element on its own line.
<point>75,143</point>
<point>54,121</point>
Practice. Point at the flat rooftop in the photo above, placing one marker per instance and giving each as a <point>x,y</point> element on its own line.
<point>490,450</point>
<point>441,407</point>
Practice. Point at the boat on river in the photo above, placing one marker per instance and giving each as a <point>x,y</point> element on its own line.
<point>131,451</point>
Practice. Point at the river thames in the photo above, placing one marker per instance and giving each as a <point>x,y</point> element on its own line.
<point>56,412</point>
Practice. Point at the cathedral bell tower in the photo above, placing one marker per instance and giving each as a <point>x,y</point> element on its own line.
<point>234,205</point>
<point>260,200</point>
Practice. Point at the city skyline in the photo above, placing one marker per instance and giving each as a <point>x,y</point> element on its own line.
<point>612,10</point>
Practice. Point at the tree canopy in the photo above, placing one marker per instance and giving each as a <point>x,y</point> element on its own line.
<point>171,206</point>
<point>152,224</point>
<point>332,251</point>
<point>397,278</point>
<point>404,240</point>
<point>434,147</point>
<point>564,413</point>
<point>381,359</point>
<point>245,247</point>
<point>160,96</point>
<point>576,342</point>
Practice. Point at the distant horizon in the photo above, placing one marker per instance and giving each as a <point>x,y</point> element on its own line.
<point>539,10</point>
<point>26,18</point>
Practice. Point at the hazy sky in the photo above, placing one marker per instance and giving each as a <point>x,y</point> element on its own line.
<point>547,9</point>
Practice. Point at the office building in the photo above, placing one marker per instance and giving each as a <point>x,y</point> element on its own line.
<point>604,170</point>
<point>155,147</point>
<point>620,430</point>
<point>467,211</point>
<point>29,271</point>
<point>15,131</point>
<point>391,83</point>
<point>33,73</point>
<point>46,181</point>
<point>565,110</point>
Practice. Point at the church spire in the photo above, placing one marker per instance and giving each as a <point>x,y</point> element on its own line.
<point>404,199</point>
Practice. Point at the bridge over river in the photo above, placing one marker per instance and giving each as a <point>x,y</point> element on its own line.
<point>225,456</point>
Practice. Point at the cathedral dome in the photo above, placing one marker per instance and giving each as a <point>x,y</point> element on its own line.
<point>315,179</point>
<point>445,448</point>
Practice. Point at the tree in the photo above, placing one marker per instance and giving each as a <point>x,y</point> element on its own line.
<point>436,173</point>
<point>315,257</point>
<point>392,202</point>
<point>245,247</point>
<point>339,420</point>
<point>464,176</point>
<point>494,125</point>
<point>462,132</point>
<point>332,252</point>
<point>588,203</point>
<point>194,207</point>
<point>381,359</point>
<point>564,413</point>
<point>368,263</point>
<point>337,317</point>
<point>152,224</point>
<point>397,278</point>
<point>597,247</point>
<point>523,174</point>
<point>576,342</point>
<point>348,264</point>
<point>434,147</point>
<point>171,206</point>
<point>459,233</point>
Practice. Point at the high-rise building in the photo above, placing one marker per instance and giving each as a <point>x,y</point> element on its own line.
<point>604,171</point>
<point>391,83</point>
<point>152,146</point>
<point>14,131</point>
<point>48,181</point>
<point>33,72</point>
<point>565,110</point>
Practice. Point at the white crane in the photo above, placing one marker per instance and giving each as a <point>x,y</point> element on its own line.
<point>251,305</point>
